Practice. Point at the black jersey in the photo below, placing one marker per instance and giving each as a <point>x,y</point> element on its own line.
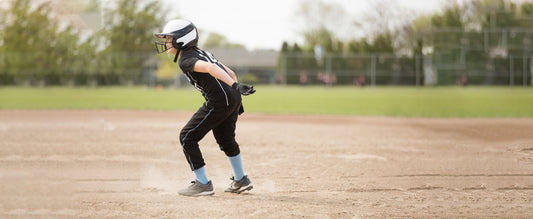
<point>216,92</point>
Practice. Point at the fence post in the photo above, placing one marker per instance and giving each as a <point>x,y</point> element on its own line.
<point>504,38</point>
<point>486,40</point>
<point>373,70</point>
<point>524,71</point>
<point>417,71</point>
<point>328,70</point>
<point>283,79</point>
<point>511,71</point>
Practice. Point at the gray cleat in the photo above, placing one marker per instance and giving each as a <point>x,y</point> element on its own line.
<point>198,189</point>
<point>239,186</point>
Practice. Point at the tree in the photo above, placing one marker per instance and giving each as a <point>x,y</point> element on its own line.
<point>215,40</point>
<point>417,36</point>
<point>127,34</point>
<point>383,16</point>
<point>35,48</point>
<point>382,44</point>
<point>358,46</point>
<point>323,24</point>
<point>322,37</point>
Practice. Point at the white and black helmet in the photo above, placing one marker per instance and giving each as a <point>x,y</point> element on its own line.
<point>183,32</point>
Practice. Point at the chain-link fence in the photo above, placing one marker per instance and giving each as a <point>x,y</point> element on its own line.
<point>497,56</point>
<point>454,57</point>
<point>388,69</point>
<point>336,69</point>
<point>109,69</point>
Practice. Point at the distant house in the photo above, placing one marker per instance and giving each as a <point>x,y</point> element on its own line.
<point>260,63</point>
<point>69,13</point>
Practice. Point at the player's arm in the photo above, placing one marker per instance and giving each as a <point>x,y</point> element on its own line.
<point>214,70</point>
<point>217,72</point>
<point>230,72</point>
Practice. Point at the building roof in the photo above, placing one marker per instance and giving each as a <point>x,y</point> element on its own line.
<point>243,57</point>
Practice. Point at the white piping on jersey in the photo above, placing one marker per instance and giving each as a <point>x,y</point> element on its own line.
<point>186,135</point>
<point>209,57</point>
<point>195,82</point>
<point>227,101</point>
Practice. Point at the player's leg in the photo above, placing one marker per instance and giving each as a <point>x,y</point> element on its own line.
<point>197,127</point>
<point>225,136</point>
<point>203,121</point>
<point>192,133</point>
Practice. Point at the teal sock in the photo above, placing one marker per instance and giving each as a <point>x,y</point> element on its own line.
<point>236,165</point>
<point>201,176</point>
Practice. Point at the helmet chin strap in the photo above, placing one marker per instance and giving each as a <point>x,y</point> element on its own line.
<point>176,56</point>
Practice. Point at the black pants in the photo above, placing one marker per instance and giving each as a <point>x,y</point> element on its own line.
<point>221,120</point>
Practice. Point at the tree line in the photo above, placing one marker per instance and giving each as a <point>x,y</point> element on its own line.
<point>36,49</point>
<point>484,42</point>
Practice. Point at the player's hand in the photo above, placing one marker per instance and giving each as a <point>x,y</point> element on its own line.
<point>244,89</point>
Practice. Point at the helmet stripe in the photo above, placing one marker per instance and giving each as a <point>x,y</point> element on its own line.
<point>187,38</point>
<point>183,31</point>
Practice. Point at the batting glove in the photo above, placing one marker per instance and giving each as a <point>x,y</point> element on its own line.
<point>244,89</point>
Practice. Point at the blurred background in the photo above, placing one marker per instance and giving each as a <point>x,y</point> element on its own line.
<point>316,42</point>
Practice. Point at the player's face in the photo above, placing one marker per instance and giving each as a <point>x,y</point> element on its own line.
<point>168,43</point>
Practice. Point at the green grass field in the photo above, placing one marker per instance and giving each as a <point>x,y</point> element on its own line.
<point>380,101</point>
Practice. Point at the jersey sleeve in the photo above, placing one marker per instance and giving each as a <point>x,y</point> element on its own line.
<point>187,63</point>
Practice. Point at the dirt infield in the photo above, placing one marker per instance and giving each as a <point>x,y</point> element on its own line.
<point>128,164</point>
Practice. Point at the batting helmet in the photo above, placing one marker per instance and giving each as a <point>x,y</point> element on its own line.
<point>183,32</point>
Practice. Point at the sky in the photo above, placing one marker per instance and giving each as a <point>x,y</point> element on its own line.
<point>266,24</point>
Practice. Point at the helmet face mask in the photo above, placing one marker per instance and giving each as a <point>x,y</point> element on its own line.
<point>161,45</point>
